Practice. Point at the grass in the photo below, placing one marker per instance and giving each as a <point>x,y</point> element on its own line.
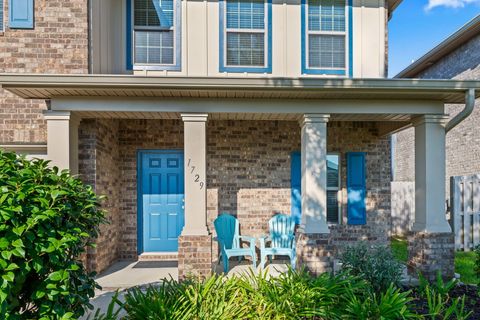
<point>464,261</point>
<point>465,266</point>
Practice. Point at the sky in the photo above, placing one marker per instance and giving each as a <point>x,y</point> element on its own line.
<point>419,25</point>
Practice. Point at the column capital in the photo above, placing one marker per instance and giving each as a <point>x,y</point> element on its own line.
<point>194,117</point>
<point>50,115</point>
<point>430,118</point>
<point>314,118</point>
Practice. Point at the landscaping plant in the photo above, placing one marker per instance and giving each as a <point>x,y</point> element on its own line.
<point>47,219</point>
<point>375,264</point>
<point>477,261</point>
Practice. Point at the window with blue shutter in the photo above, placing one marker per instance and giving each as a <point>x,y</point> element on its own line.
<point>333,187</point>
<point>21,14</point>
<point>296,186</point>
<point>356,188</point>
<point>326,36</point>
<point>154,34</point>
<point>245,36</point>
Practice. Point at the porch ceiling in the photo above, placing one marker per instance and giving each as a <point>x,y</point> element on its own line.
<point>54,86</point>
<point>243,116</point>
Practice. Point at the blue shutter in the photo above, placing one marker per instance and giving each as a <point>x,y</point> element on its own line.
<point>20,14</point>
<point>296,186</point>
<point>1,15</point>
<point>356,188</point>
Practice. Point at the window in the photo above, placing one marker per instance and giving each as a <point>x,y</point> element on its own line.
<point>333,188</point>
<point>156,34</point>
<point>325,38</point>
<point>245,36</point>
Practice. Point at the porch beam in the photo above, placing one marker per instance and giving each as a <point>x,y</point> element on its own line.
<point>430,175</point>
<point>62,140</point>
<point>314,173</point>
<point>195,148</point>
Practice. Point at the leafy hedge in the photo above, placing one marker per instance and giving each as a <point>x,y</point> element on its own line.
<point>47,219</point>
<point>292,295</point>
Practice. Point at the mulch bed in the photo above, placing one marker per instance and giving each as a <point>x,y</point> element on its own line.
<point>472,300</point>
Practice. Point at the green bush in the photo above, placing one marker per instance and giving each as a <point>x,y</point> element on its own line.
<point>477,261</point>
<point>376,265</point>
<point>47,219</point>
<point>293,295</point>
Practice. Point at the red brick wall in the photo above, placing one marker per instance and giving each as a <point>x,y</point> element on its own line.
<point>248,172</point>
<point>57,44</point>
<point>98,166</point>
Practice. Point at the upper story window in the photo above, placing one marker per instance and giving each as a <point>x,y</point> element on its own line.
<point>155,26</point>
<point>245,36</point>
<point>326,38</point>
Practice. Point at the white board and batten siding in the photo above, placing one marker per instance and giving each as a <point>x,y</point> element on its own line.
<point>403,206</point>
<point>465,197</point>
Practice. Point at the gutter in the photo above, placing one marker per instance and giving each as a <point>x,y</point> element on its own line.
<point>469,105</point>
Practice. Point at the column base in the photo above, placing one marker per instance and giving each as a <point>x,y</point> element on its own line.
<point>194,256</point>
<point>315,252</point>
<point>429,253</point>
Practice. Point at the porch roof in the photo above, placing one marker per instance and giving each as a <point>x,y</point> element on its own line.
<point>44,86</point>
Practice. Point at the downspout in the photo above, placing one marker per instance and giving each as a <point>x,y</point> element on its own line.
<point>469,105</point>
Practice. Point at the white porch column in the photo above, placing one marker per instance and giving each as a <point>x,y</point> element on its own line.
<point>62,140</point>
<point>430,175</point>
<point>195,146</point>
<point>314,173</point>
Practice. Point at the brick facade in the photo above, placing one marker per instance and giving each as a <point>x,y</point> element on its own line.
<point>98,166</point>
<point>57,45</point>
<point>248,174</point>
<point>194,256</point>
<point>463,142</point>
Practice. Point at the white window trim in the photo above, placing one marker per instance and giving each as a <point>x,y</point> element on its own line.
<point>153,28</point>
<point>239,30</point>
<point>327,33</point>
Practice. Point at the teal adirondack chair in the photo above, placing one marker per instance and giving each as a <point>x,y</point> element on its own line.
<point>281,239</point>
<point>228,236</point>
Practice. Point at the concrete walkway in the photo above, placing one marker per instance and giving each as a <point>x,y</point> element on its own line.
<point>127,274</point>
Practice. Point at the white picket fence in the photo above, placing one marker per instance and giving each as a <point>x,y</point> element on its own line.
<point>465,211</point>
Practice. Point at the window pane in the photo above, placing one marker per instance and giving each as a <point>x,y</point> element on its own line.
<point>332,171</point>
<point>326,15</point>
<point>154,47</point>
<point>153,13</point>
<point>332,206</point>
<point>325,51</point>
<point>245,49</point>
<point>245,14</point>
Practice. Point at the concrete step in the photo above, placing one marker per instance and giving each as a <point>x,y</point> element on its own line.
<point>158,256</point>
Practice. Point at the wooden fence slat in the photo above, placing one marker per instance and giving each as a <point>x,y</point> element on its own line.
<point>476,210</point>
<point>467,213</point>
<point>455,215</point>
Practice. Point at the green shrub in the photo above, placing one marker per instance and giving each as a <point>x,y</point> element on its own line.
<point>477,261</point>
<point>292,295</point>
<point>393,304</point>
<point>376,265</point>
<point>47,219</point>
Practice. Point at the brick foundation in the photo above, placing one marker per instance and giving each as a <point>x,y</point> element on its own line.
<point>315,252</point>
<point>430,252</point>
<point>194,256</point>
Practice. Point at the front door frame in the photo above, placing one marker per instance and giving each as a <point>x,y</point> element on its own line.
<point>140,153</point>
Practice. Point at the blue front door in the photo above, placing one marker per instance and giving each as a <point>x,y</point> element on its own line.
<point>161,192</point>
